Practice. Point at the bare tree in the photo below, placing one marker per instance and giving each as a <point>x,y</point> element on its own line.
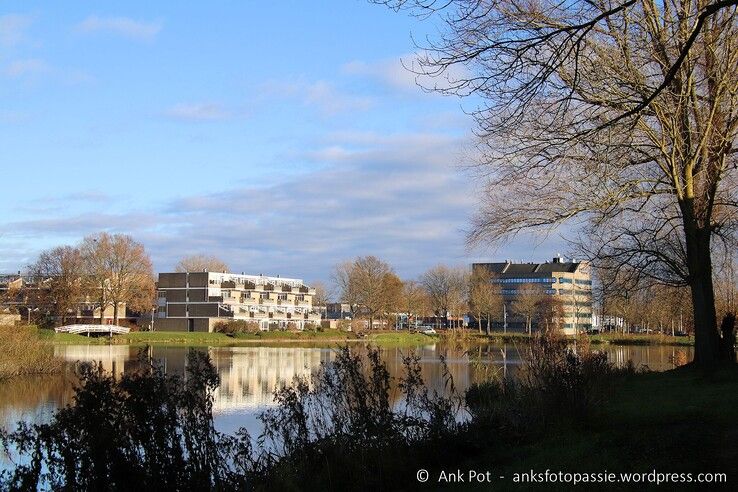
<point>201,263</point>
<point>619,115</point>
<point>447,289</point>
<point>459,295</point>
<point>95,252</point>
<point>485,297</point>
<point>119,272</point>
<point>527,303</point>
<point>392,295</point>
<point>550,314</point>
<point>414,301</point>
<point>61,270</point>
<point>368,285</point>
<point>321,297</point>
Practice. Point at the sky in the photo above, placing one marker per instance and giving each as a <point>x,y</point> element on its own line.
<point>282,137</point>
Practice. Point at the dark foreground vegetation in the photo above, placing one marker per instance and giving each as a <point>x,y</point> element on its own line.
<point>351,427</point>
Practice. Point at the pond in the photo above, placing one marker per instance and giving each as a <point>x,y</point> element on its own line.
<point>249,374</point>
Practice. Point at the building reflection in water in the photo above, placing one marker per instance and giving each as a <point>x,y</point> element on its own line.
<point>249,375</point>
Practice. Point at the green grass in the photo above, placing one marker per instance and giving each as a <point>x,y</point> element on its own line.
<point>498,337</point>
<point>605,338</point>
<point>640,339</point>
<point>682,420</point>
<point>401,338</point>
<point>201,338</point>
<point>297,335</point>
<point>69,338</point>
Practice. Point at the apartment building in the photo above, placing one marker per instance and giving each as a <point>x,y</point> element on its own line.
<point>28,295</point>
<point>196,301</point>
<point>568,282</point>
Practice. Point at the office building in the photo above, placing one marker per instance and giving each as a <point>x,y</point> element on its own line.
<point>566,283</point>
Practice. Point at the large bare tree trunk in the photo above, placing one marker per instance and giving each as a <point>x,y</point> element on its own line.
<point>115,313</point>
<point>706,341</point>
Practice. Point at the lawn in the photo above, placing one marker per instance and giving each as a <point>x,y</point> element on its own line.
<point>201,338</point>
<point>640,339</point>
<point>681,421</point>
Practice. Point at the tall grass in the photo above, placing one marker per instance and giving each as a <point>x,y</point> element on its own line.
<point>557,385</point>
<point>23,353</point>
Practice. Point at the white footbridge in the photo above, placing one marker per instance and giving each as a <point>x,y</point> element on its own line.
<point>93,329</point>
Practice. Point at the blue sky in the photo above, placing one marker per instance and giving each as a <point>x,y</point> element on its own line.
<point>283,137</point>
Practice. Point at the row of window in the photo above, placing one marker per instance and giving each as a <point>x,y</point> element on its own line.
<point>546,280</point>
<point>540,280</point>
<point>547,291</point>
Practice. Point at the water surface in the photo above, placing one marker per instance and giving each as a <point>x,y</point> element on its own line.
<point>250,374</point>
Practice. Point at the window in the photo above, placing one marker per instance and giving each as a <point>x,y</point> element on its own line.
<point>522,280</point>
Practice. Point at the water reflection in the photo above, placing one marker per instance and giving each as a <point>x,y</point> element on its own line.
<point>249,375</point>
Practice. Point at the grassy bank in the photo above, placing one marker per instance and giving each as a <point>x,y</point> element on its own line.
<point>389,337</point>
<point>22,353</point>
<point>640,339</point>
<point>680,421</point>
<point>604,338</point>
<point>199,338</point>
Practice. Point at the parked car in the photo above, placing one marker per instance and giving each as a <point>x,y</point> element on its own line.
<point>428,331</point>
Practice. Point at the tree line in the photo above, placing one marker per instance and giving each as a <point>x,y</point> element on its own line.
<point>374,292</point>
<point>103,271</point>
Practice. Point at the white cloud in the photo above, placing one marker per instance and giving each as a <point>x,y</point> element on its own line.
<point>28,67</point>
<point>397,196</point>
<point>13,29</point>
<point>197,112</point>
<point>395,73</point>
<point>329,100</point>
<point>123,26</point>
<point>404,73</point>
<point>322,95</point>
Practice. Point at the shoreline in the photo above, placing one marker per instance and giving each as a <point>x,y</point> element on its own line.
<point>338,337</point>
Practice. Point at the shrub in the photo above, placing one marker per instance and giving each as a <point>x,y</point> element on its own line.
<point>232,327</point>
<point>155,431</point>
<point>148,430</point>
<point>343,426</point>
<point>22,353</point>
<point>556,384</point>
